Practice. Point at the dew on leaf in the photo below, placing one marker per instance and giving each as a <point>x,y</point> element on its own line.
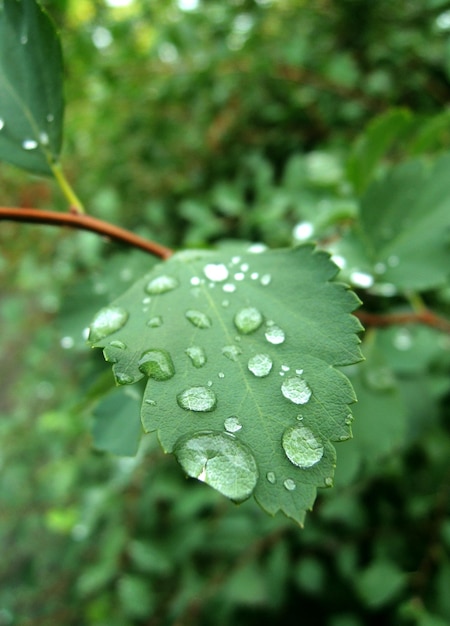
<point>197,355</point>
<point>274,334</point>
<point>161,284</point>
<point>221,375</point>
<point>219,460</point>
<point>266,279</point>
<point>361,279</point>
<point>150,402</point>
<point>231,352</point>
<point>289,484</point>
<point>118,344</point>
<point>296,390</point>
<point>123,379</point>
<point>303,231</point>
<point>195,281</point>
<point>44,138</point>
<point>271,477</point>
<point>197,399</point>
<point>260,365</point>
<point>239,276</point>
<point>216,272</point>
<point>248,320</point>
<point>156,364</point>
<point>2,123</point>
<point>257,248</point>
<point>328,481</point>
<point>244,267</point>
<point>29,144</point>
<point>232,424</point>
<point>107,321</point>
<point>155,322</point>
<point>229,288</point>
<point>301,446</point>
<point>254,275</point>
<point>198,319</point>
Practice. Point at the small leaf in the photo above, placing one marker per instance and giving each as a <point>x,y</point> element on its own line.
<point>241,379</point>
<point>117,427</point>
<point>31,95</point>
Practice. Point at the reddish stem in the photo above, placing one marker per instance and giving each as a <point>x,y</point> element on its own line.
<point>85,222</point>
<point>389,319</point>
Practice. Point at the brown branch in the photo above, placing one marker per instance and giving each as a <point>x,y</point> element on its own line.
<point>85,222</point>
<point>389,319</point>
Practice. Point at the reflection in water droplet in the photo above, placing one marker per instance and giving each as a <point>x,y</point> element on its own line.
<point>29,144</point>
<point>197,399</point>
<point>106,322</point>
<point>296,390</point>
<point>219,460</point>
<point>301,447</point>
<point>248,320</point>
<point>155,322</point>
<point>232,424</point>
<point>274,334</point>
<point>271,477</point>
<point>197,356</point>
<point>161,284</point>
<point>198,319</point>
<point>157,364</point>
<point>260,365</point>
<point>216,272</point>
<point>118,344</point>
<point>289,484</point>
<point>123,379</point>
<point>231,352</point>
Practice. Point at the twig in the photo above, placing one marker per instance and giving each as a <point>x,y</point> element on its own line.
<point>390,319</point>
<point>85,222</point>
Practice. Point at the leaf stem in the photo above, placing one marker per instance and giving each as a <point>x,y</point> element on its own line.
<point>66,188</point>
<point>85,222</point>
<point>424,316</point>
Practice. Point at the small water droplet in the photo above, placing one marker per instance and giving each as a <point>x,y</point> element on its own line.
<point>197,356</point>
<point>229,288</point>
<point>289,484</point>
<point>260,365</point>
<point>221,461</point>
<point>29,144</point>
<point>107,321</point>
<point>197,399</point>
<point>328,481</point>
<point>393,260</point>
<point>50,118</point>
<point>362,279</point>
<point>257,248</point>
<point>301,446</point>
<point>231,352</point>
<point>155,322</point>
<point>123,379</point>
<point>150,402</point>
<point>195,281</point>
<point>248,320</point>
<point>120,345</point>
<point>285,368</point>
<point>161,284</point>
<point>403,340</point>
<point>44,138</point>
<point>296,390</point>
<point>198,319</point>
<point>379,268</point>
<point>274,334</point>
<point>146,300</point>
<point>24,39</point>
<point>216,272</point>
<point>67,342</point>
<point>235,260</point>
<point>271,477</point>
<point>239,276</point>
<point>254,275</point>
<point>221,375</point>
<point>156,364</point>
<point>232,424</point>
<point>303,231</point>
<point>339,260</point>
<point>244,267</point>
<point>2,123</point>
<point>266,280</point>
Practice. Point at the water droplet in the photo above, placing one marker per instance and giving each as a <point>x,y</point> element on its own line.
<point>286,368</point>
<point>118,344</point>
<point>157,364</point>
<point>155,322</point>
<point>274,334</point>
<point>239,276</point>
<point>328,481</point>
<point>229,288</point>
<point>29,144</point>
<point>198,319</point>
<point>260,365</point>
<point>216,272</point>
<point>161,284</point>
<point>197,355</point>
<point>197,399</point>
<point>303,231</point>
<point>254,275</point>
<point>339,260</point>
<point>67,342</point>
<point>44,138</point>
<point>301,446</point>
<point>289,484</point>
<point>123,379</point>
<point>266,280</point>
<point>296,390</point>
<point>219,460</point>
<point>232,424</point>
<point>403,340</point>
<point>2,123</point>
<point>271,477</point>
<point>388,290</point>
<point>195,281</point>
<point>150,402</point>
<point>50,118</point>
<point>362,279</point>
<point>24,39</point>
<point>106,322</point>
<point>248,320</point>
<point>244,267</point>
<point>257,248</point>
<point>235,260</point>
<point>393,260</point>
<point>379,268</point>
<point>221,375</point>
<point>231,352</point>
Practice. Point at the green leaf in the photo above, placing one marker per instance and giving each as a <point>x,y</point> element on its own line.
<point>117,426</point>
<point>31,95</point>
<point>239,350</point>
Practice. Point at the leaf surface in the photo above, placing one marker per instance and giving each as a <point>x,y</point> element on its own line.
<point>31,95</point>
<point>239,350</point>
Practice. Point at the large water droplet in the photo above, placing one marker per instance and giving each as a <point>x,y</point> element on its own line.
<point>118,344</point>
<point>215,272</point>
<point>232,424</point>
<point>106,322</point>
<point>197,399</point>
<point>274,334</point>
<point>296,390</point>
<point>260,365</point>
<point>157,364</point>
<point>161,284</point>
<point>198,319</point>
<point>155,322</point>
<point>231,352</point>
<point>271,477</point>
<point>289,484</point>
<point>29,144</point>
<point>219,460</point>
<point>197,356</point>
<point>301,447</point>
<point>248,320</point>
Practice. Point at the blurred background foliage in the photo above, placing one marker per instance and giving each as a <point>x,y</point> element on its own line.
<point>189,122</point>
